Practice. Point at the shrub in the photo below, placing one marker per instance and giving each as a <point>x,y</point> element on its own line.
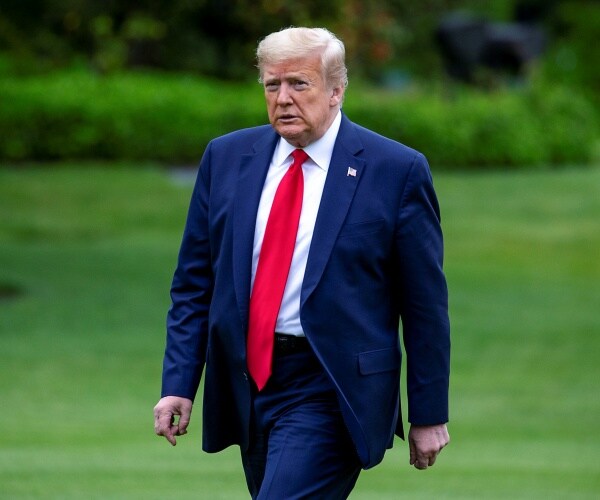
<point>171,118</point>
<point>522,127</point>
<point>130,116</point>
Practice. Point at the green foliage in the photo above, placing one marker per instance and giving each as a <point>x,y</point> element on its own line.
<point>171,118</point>
<point>573,55</point>
<point>92,249</point>
<point>78,115</point>
<point>523,127</point>
<point>207,36</point>
<point>190,34</point>
<point>218,38</point>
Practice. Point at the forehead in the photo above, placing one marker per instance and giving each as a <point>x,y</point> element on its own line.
<point>306,66</point>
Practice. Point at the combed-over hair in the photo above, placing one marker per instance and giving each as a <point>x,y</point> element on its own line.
<point>297,43</point>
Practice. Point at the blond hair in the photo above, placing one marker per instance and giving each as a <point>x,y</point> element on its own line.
<point>299,43</point>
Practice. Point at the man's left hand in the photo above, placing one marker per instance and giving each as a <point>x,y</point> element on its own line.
<point>426,442</point>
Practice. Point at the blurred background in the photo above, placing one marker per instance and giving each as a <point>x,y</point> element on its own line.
<point>499,83</point>
<point>105,110</point>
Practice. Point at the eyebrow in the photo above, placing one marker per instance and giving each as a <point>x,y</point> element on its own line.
<point>289,77</point>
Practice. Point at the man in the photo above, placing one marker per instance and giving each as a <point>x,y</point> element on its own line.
<point>306,242</point>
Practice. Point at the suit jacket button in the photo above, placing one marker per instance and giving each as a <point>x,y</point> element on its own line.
<point>245,375</point>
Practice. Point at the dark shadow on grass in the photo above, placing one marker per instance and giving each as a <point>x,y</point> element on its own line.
<point>8,291</point>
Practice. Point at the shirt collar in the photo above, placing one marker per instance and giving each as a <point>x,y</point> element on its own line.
<point>319,151</point>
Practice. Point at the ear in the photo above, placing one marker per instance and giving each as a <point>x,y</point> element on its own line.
<point>336,96</point>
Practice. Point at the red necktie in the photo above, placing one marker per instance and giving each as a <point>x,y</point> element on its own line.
<point>273,268</point>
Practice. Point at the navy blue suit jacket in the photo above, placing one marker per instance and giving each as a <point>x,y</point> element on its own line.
<point>375,258</point>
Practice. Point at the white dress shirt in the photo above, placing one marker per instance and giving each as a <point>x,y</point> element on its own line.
<point>315,172</point>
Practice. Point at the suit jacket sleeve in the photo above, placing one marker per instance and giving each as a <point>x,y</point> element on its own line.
<point>191,292</point>
<point>423,298</point>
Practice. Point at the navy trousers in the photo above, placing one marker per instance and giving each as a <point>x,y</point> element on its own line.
<point>300,445</point>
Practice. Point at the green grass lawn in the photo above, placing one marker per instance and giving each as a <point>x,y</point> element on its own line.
<point>86,256</point>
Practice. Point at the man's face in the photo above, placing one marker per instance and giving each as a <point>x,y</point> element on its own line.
<point>300,104</point>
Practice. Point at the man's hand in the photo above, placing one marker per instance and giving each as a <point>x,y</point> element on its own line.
<point>164,417</point>
<point>426,442</point>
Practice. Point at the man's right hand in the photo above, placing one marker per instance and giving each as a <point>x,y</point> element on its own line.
<point>164,417</point>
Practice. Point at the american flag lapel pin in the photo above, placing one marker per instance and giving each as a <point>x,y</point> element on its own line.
<point>351,172</point>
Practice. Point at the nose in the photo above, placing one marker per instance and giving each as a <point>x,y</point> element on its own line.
<point>283,95</point>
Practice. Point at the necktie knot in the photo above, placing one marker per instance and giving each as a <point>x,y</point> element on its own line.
<point>299,156</point>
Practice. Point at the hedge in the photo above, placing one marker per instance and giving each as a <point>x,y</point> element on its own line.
<point>170,118</point>
<point>519,127</point>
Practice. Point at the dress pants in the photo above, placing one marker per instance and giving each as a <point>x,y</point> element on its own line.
<point>300,447</point>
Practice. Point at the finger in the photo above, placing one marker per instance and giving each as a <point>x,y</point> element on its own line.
<point>420,464</point>
<point>170,436</point>
<point>423,459</point>
<point>163,426</point>
<point>412,451</point>
<point>184,421</point>
<point>162,422</point>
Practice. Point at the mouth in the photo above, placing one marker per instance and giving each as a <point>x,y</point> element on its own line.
<point>287,118</point>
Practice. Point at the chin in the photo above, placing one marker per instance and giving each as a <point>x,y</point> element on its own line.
<point>288,130</point>
<point>290,135</point>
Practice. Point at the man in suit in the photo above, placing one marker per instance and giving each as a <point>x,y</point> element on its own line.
<point>307,242</point>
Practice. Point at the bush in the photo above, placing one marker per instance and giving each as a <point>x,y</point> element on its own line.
<point>171,118</point>
<point>129,116</point>
<point>522,127</point>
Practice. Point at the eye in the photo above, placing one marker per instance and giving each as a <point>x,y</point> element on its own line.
<point>300,84</point>
<point>271,86</point>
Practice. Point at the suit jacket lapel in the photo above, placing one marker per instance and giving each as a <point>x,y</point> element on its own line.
<point>338,193</point>
<point>252,174</point>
